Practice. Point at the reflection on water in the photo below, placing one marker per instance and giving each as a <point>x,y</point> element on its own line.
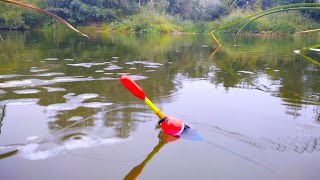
<point>71,137</point>
<point>2,115</point>
<point>49,82</point>
<point>163,139</point>
<point>214,52</point>
<point>310,53</point>
<point>190,135</point>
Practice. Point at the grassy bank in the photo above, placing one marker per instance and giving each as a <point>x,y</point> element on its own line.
<point>149,21</point>
<point>283,22</point>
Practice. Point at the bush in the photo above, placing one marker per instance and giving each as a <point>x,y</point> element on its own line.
<point>149,21</point>
<point>286,22</point>
<point>11,18</point>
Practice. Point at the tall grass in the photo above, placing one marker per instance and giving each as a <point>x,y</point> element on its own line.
<point>151,21</point>
<point>148,21</point>
<point>283,22</point>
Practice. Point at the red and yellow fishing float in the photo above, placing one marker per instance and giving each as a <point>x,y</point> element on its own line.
<point>169,125</point>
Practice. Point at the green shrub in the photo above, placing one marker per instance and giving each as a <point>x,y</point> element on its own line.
<point>149,21</point>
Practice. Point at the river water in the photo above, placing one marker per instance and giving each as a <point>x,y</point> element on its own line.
<point>253,108</point>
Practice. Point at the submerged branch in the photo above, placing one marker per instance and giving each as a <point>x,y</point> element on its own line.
<point>45,12</point>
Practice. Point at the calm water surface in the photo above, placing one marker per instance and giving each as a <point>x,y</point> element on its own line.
<point>64,114</point>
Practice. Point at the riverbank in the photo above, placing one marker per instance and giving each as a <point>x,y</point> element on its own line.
<point>153,22</point>
<point>148,21</point>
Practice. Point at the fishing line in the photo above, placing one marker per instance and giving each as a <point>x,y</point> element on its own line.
<point>236,136</point>
<point>240,156</point>
<point>298,144</point>
<point>85,119</point>
<point>133,160</point>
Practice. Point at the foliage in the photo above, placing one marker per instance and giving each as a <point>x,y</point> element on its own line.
<point>13,17</point>
<point>181,7</point>
<point>94,11</point>
<point>158,15</point>
<point>35,8</point>
<point>210,9</point>
<point>251,18</point>
<point>148,21</point>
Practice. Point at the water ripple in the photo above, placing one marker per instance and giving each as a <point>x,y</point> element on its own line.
<point>40,82</point>
<point>88,65</point>
<point>7,76</point>
<point>19,101</point>
<point>50,74</point>
<point>52,89</point>
<point>73,102</point>
<point>2,91</point>
<point>35,151</point>
<point>112,67</point>
<point>27,91</point>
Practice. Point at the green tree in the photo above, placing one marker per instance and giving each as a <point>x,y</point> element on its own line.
<point>208,10</point>
<point>13,17</point>
<point>182,7</point>
<point>91,11</point>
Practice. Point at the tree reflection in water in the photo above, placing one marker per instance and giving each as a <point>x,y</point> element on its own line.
<point>2,115</point>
